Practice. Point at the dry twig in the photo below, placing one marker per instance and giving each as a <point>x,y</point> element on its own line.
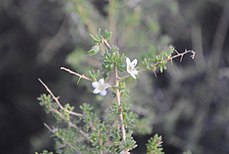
<point>118,96</point>
<point>56,99</point>
<point>81,76</point>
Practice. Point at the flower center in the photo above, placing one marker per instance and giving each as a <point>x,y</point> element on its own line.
<point>101,87</point>
<point>131,68</point>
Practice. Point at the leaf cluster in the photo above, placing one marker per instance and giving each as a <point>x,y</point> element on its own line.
<point>154,145</point>
<point>98,39</point>
<point>152,60</point>
<point>113,59</point>
<point>101,135</point>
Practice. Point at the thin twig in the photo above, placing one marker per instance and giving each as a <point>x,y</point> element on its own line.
<point>81,76</point>
<point>106,43</point>
<point>56,99</point>
<point>85,135</point>
<point>53,130</point>
<point>61,107</point>
<point>181,55</point>
<point>69,144</point>
<point>118,96</point>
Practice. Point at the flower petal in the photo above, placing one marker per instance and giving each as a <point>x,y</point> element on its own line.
<point>96,91</point>
<point>134,62</point>
<point>135,72</point>
<point>95,84</point>
<point>128,69</point>
<point>127,61</point>
<point>103,92</point>
<point>101,81</point>
<point>133,75</point>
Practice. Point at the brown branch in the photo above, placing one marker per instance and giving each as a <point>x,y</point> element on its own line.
<point>85,135</point>
<point>56,99</point>
<point>53,130</point>
<point>81,76</point>
<point>181,55</point>
<point>106,43</point>
<point>118,96</point>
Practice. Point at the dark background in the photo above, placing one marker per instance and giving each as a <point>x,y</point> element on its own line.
<point>32,46</point>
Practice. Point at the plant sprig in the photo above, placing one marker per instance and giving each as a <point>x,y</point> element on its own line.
<point>114,134</point>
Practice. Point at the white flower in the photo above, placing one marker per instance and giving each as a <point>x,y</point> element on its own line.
<point>100,87</point>
<point>130,67</point>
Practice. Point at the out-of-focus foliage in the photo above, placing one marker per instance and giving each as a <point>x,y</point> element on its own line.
<point>196,97</point>
<point>172,100</point>
<point>186,100</point>
<point>190,113</point>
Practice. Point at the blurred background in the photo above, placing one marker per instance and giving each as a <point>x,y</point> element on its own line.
<point>189,103</point>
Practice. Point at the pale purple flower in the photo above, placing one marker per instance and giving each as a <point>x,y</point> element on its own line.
<point>100,87</point>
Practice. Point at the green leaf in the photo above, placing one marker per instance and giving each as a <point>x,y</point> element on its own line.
<point>130,142</point>
<point>94,50</point>
<point>94,74</point>
<point>96,39</point>
<point>107,34</point>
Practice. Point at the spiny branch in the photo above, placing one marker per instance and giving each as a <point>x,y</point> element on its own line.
<point>85,135</point>
<point>181,55</point>
<point>81,76</point>
<point>170,58</point>
<point>118,96</point>
<point>56,99</point>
